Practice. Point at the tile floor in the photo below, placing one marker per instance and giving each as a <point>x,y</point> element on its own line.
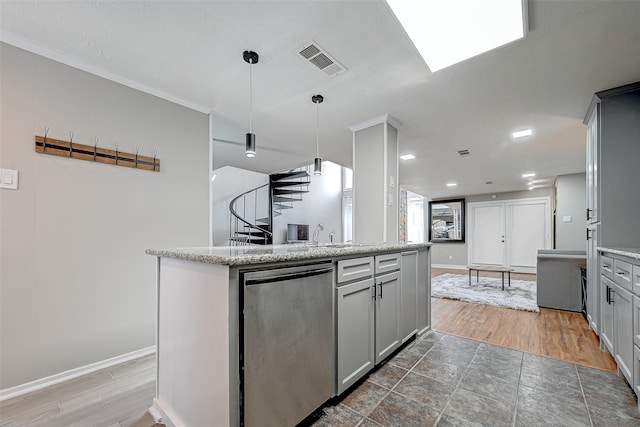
<point>449,381</point>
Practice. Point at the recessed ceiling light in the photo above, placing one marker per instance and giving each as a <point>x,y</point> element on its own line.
<point>528,175</point>
<point>448,32</point>
<point>522,133</point>
<point>407,157</point>
<point>451,184</point>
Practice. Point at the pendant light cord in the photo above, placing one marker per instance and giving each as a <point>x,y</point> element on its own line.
<point>250,96</point>
<point>317,129</point>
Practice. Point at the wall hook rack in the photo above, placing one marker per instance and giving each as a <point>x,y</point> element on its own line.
<point>93,153</point>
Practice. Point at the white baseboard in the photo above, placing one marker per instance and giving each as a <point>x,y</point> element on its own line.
<point>450,266</point>
<point>19,390</point>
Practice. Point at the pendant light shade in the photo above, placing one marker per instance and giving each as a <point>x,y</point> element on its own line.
<point>317,162</point>
<point>250,143</point>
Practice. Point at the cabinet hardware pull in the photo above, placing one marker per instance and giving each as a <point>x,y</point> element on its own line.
<point>374,292</point>
<point>620,273</point>
<point>608,295</point>
<point>588,216</point>
<point>380,290</point>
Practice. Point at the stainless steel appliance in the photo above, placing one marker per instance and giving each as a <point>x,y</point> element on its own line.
<point>559,279</point>
<point>287,352</point>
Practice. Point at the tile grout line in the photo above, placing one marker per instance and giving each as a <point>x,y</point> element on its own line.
<point>584,397</point>
<point>457,385</point>
<point>515,406</point>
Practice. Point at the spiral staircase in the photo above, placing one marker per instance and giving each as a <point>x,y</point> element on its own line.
<point>252,212</point>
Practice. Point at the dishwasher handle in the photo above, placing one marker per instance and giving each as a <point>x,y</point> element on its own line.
<point>288,276</point>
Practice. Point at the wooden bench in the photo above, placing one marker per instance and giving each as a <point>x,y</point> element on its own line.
<point>492,268</point>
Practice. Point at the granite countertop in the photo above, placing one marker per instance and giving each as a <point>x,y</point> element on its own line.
<point>628,252</point>
<point>246,255</point>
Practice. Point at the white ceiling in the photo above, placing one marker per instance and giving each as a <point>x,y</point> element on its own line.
<point>191,52</point>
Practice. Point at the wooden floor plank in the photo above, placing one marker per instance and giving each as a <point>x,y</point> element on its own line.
<point>557,334</point>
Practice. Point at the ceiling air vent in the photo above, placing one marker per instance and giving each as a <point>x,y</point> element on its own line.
<point>320,58</point>
<point>464,153</point>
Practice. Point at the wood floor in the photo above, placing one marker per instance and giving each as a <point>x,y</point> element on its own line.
<point>557,334</point>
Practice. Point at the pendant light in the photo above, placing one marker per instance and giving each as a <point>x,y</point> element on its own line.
<point>250,142</point>
<point>317,162</point>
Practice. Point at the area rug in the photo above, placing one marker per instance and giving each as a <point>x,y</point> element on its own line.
<point>520,296</point>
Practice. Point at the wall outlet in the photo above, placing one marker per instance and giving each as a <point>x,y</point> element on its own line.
<point>392,181</point>
<point>566,218</point>
<point>390,199</point>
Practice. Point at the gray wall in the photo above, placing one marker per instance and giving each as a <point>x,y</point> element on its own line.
<point>456,254</point>
<point>571,202</point>
<point>76,285</point>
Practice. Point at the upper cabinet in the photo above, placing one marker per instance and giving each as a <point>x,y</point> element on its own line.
<point>613,162</point>
<point>593,157</point>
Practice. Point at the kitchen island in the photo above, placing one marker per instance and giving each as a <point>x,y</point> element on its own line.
<point>264,335</point>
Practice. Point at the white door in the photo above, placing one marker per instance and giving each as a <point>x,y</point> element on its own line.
<point>509,233</point>
<point>527,232</point>
<point>487,234</point>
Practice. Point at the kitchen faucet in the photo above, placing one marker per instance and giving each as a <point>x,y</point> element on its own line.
<point>316,232</point>
<point>333,233</point>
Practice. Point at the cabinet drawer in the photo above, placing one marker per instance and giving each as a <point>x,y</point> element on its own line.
<point>636,280</point>
<point>354,269</point>
<point>606,267</point>
<point>622,274</point>
<point>388,262</point>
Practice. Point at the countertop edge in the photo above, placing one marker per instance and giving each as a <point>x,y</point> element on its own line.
<point>628,252</point>
<point>206,255</point>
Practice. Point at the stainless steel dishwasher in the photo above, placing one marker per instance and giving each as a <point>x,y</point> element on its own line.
<point>287,352</point>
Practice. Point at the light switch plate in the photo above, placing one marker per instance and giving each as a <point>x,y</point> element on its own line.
<point>9,179</point>
<point>566,218</point>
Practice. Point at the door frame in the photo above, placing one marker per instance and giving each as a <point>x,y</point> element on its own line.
<point>506,203</point>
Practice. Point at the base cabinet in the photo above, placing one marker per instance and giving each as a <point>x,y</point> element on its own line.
<point>387,314</point>
<point>607,317</point>
<point>355,336</point>
<point>623,327</point>
<point>377,309</point>
<point>409,295</point>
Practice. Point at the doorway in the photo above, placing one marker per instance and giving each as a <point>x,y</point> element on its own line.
<point>509,233</point>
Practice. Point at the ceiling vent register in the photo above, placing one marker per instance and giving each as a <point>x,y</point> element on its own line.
<point>464,153</point>
<point>321,59</point>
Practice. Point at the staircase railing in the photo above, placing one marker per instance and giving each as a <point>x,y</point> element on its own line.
<point>243,226</point>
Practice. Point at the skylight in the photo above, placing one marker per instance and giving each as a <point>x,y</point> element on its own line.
<point>448,32</point>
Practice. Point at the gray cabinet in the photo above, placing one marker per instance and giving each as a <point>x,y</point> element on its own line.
<point>621,299</point>
<point>594,301</point>
<point>387,315</point>
<point>623,329</point>
<point>593,158</point>
<point>380,304</point>
<point>607,316</point>
<point>355,332</point>
<point>409,295</point>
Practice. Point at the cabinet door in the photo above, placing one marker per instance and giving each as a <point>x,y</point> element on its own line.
<point>355,326</point>
<point>424,291</point>
<point>387,328</point>
<point>593,160</point>
<point>594,297</point>
<point>409,294</point>
<point>606,321</point>
<point>636,321</point>
<point>623,327</point>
